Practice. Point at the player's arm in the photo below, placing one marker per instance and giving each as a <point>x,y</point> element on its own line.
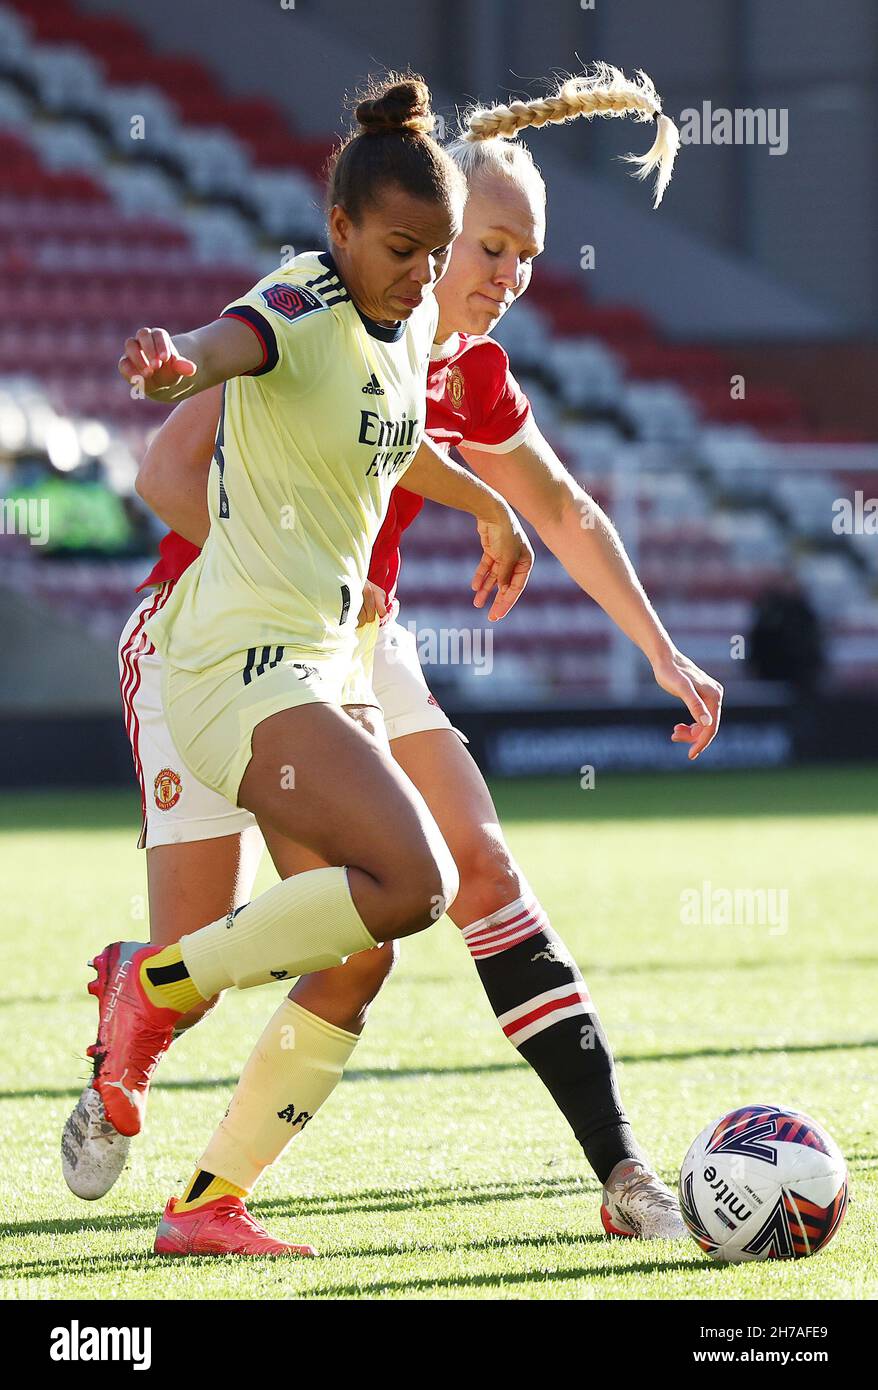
<point>507,555</point>
<point>172,479</point>
<point>170,369</point>
<point>572,525</point>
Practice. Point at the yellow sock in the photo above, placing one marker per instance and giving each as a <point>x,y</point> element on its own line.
<point>294,1068</point>
<point>167,983</point>
<point>304,923</point>
<point>205,1187</point>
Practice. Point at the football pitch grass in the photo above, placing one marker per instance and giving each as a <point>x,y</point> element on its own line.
<point>440,1167</point>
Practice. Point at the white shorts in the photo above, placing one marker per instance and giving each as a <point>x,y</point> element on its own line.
<point>400,687</point>
<point>177,807</point>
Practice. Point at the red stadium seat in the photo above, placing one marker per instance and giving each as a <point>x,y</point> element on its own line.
<point>686,365</point>
<point>274,150</point>
<point>762,406</point>
<point>32,10</point>
<point>54,23</point>
<point>177,76</point>
<point>558,287</point>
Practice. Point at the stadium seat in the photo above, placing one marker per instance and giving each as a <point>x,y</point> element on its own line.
<point>659,412</point>
<point>586,374</point>
<point>100,231</point>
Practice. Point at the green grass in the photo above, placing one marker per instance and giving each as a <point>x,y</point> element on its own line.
<point>440,1167</point>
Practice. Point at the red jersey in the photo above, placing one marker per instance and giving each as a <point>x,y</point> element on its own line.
<point>472,400</point>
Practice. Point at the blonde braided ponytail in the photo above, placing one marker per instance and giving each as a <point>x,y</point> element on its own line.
<point>604,91</point>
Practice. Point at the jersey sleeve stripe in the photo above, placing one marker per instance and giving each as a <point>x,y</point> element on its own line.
<point>507,445</point>
<point>264,332</point>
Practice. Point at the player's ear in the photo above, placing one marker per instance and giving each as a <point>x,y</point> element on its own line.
<point>339,225</point>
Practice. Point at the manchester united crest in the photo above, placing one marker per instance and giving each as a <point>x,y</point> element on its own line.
<point>455,387</point>
<point>168,787</point>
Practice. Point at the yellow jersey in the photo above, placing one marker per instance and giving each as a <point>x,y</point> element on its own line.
<point>308,449</point>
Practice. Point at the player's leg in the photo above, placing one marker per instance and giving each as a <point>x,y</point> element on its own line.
<point>340,996</point>
<point>314,776</point>
<point>290,1074</point>
<point>534,986</point>
<point>202,855</point>
<point>202,852</point>
<point>288,1077</point>
<point>190,883</point>
<point>193,880</point>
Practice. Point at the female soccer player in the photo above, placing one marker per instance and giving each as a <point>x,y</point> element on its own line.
<point>258,637</point>
<point>472,400</point>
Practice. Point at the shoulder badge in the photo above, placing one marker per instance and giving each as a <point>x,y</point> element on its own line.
<point>291,301</point>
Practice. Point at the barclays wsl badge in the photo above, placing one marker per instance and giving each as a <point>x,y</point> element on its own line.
<point>291,301</point>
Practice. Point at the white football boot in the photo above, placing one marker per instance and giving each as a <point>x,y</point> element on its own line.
<point>637,1203</point>
<point>93,1153</point>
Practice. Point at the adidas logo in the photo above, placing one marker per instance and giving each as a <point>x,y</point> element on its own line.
<point>373,387</point>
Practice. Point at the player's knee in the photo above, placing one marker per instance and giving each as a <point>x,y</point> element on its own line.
<point>425,892</point>
<point>489,875</point>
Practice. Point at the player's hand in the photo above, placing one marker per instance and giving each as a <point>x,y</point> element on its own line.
<point>700,693</point>
<point>374,604</point>
<point>507,559</point>
<point>151,358</point>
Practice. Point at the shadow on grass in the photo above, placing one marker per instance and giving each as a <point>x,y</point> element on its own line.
<point>81,1225</point>
<point>65,1268</point>
<point>209,1083</point>
<point>130,1260</point>
<point>84,1265</point>
<point>423,1284</point>
<point>28,1268</point>
<point>395,1199</point>
<point>368,1252</point>
<point>329,1203</point>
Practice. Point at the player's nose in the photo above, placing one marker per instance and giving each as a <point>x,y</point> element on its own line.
<point>508,272</point>
<point>424,271</point>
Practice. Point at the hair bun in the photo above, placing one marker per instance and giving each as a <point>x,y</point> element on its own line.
<point>400,104</point>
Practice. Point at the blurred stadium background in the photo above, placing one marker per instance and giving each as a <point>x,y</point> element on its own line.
<point>711,379</point>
